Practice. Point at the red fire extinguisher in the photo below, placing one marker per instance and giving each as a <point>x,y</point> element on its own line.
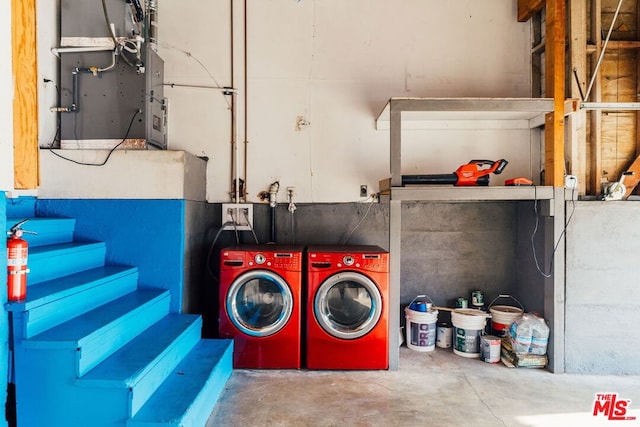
<point>17,252</point>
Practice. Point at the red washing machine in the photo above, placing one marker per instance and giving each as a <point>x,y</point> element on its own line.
<point>260,304</point>
<point>347,307</point>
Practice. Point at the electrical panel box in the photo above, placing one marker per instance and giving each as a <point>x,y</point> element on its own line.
<point>109,95</point>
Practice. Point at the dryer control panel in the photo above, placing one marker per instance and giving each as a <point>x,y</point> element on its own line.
<point>378,262</point>
<point>272,259</point>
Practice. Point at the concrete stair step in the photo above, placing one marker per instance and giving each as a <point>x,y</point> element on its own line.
<point>101,332</point>
<point>140,366</point>
<point>191,391</point>
<point>56,301</point>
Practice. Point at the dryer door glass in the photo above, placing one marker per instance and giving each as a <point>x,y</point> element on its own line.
<point>259,303</point>
<point>348,305</point>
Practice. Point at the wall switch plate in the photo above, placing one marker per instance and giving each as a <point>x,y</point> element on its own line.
<point>237,216</point>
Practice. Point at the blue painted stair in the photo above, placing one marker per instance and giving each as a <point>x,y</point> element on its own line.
<point>94,347</point>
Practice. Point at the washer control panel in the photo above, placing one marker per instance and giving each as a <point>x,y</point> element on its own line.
<point>369,261</point>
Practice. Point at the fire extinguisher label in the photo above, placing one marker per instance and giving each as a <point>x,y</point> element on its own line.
<point>17,257</point>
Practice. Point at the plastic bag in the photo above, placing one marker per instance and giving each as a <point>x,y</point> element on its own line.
<point>529,334</point>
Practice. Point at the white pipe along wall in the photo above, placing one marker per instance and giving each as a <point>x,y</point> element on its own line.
<point>331,66</point>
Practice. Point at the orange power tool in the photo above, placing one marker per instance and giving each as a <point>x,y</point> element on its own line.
<point>476,172</point>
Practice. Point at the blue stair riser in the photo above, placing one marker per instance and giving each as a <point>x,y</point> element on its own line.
<point>78,300</point>
<point>48,231</point>
<point>53,261</point>
<point>188,395</point>
<point>101,344</point>
<point>48,397</point>
<point>144,363</point>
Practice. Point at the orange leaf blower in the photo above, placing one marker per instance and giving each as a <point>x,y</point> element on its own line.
<point>476,172</point>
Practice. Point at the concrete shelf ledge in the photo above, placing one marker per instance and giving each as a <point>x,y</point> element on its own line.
<point>458,194</point>
<point>128,174</point>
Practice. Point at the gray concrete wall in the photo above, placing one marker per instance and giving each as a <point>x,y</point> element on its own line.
<point>200,293</point>
<point>602,293</point>
<point>452,249</point>
<point>199,217</point>
<point>530,284</point>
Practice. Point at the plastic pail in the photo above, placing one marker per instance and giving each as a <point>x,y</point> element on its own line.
<point>468,324</point>
<point>421,329</point>
<point>502,316</point>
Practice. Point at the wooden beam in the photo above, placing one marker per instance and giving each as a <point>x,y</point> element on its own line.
<point>528,8</point>
<point>25,100</point>
<point>628,192</point>
<point>594,185</point>
<point>632,181</point>
<point>577,121</point>
<point>536,56</point>
<point>615,44</point>
<point>555,88</point>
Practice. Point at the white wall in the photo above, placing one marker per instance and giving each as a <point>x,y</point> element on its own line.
<point>335,63</point>
<point>6,98</point>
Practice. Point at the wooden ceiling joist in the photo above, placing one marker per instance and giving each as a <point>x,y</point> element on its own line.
<point>528,8</point>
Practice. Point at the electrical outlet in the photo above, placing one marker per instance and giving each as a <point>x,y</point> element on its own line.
<point>363,191</point>
<point>237,216</point>
<point>570,182</point>
<point>291,191</point>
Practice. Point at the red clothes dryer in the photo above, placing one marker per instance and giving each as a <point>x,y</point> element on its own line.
<point>347,308</point>
<point>260,304</point>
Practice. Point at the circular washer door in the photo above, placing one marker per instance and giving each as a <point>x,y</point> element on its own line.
<point>259,303</point>
<point>348,305</point>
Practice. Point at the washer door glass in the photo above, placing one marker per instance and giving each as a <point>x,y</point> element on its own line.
<point>259,303</point>
<point>348,305</point>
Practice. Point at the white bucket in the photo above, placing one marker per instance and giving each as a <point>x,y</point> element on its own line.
<point>468,324</point>
<point>502,316</point>
<point>421,329</point>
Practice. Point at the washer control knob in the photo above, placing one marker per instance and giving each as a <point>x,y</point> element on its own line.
<point>260,259</point>
<point>348,260</point>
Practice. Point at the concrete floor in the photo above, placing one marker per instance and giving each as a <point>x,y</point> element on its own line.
<point>436,388</point>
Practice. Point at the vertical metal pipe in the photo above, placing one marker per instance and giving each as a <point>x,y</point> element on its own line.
<point>234,171</point>
<point>246,91</point>
<point>236,159</point>
<point>272,235</point>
